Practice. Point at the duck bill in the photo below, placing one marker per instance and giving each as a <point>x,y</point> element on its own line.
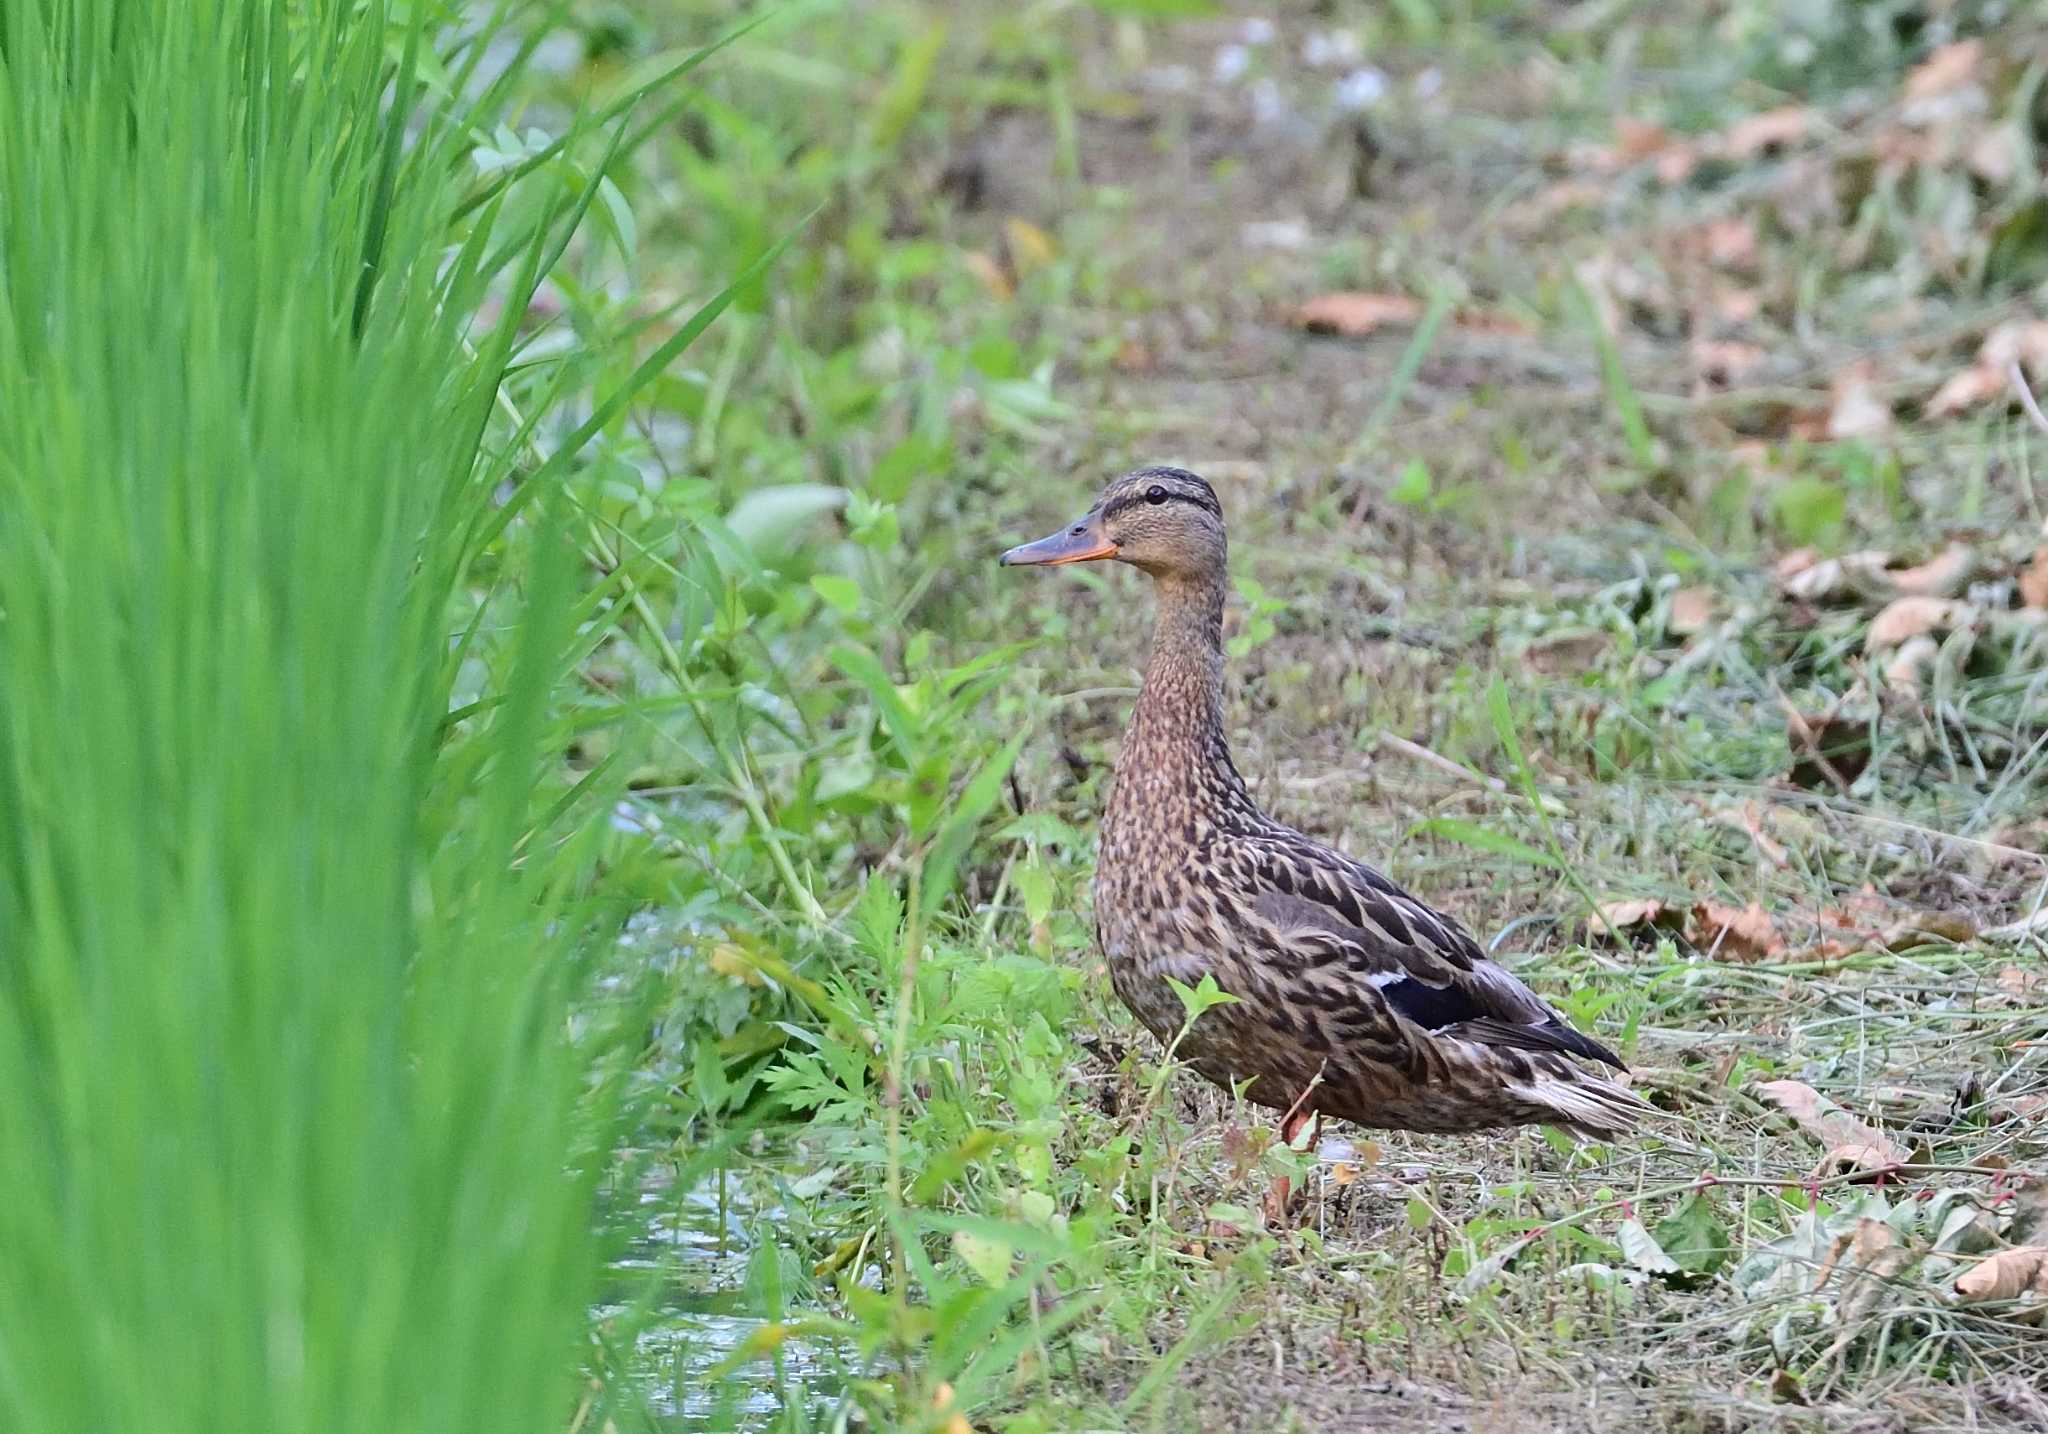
<point>1084,542</point>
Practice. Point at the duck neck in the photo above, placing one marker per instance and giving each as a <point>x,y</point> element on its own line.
<point>1177,752</point>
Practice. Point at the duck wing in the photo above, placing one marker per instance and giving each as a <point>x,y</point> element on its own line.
<point>1333,922</point>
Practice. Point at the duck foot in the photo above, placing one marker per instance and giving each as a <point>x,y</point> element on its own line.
<point>1280,1192</point>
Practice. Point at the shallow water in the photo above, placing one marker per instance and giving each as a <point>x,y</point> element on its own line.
<point>697,1256</point>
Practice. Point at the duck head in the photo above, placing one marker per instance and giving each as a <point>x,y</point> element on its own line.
<point>1165,521</point>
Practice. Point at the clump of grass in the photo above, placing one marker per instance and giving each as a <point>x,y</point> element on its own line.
<point>297,1136</point>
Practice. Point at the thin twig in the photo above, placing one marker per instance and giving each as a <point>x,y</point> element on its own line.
<point>2017,376</point>
<point>1438,760</point>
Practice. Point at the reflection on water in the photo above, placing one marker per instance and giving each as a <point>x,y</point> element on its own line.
<point>682,1288</point>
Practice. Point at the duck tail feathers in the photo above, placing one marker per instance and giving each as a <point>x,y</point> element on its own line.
<point>1587,1107</point>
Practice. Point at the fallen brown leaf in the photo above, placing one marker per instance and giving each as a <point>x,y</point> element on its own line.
<point>1903,673</point>
<point>1910,617</point>
<point>1786,1389</point>
<point>1724,363</point>
<point>1613,919</point>
<point>1848,1142</point>
<point>1559,654</point>
<point>1751,817</point>
<point>1729,304</point>
<point>1994,155</point>
<point>1734,933</point>
<point>2022,985</point>
<point>989,274</point>
<point>1773,129</point>
<point>1943,575</point>
<point>1950,67</point>
<point>1966,390</point>
<point>1692,610</point>
<point>1881,925</point>
<point>1726,243</point>
<point>1804,574</point>
<point>1676,164</point>
<point>2022,341</point>
<point>2029,1109</point>
<point>1353,315</point>
<point>2034,580</point>
<point>2007,1275</point>
<point>1485,321</point>
<point>1854,408</point>
<point>1875,1259</point>
<point>1636,139</point>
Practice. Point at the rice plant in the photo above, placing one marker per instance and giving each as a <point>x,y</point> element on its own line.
<point>294,895</point>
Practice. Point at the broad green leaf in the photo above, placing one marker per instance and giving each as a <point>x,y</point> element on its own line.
<point>1201,996</point>
<point>988,1258</point>
<point>842,593</point>
<point>1414,487</point>
<point>768,519</point>
<point>942,863</point>
<point>1693,1237</point>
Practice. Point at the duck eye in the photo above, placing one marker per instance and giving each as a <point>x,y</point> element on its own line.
<point>1155,494</point>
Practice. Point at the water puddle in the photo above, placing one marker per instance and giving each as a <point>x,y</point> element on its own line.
<point>697,1253</point>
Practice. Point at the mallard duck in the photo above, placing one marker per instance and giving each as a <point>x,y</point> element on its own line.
<point>1354,999</point>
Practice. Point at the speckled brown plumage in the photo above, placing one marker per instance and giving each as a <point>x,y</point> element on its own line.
<point>1354,999</point>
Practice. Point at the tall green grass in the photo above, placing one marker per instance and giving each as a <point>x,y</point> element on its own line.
<point>294,1135</point>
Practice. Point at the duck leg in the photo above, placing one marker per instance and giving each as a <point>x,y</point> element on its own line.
<point>1291,1125</point>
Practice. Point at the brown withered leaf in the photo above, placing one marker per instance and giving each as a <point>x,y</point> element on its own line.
<point>1973,386</point>
<point>1676,164</point>
<point>1910,617</point>
<point>1945,574</point>
<point>1723,363</point>
<point>1804,574</point>
<point>1623,919</point>
<point>1489,321</point>
<point>1353,314</point>
<point>1636,139</point>
<point>1773,129</point>
<point>1734,933</point>
<point>1874,1259</point>
<point>1564,653</point>
<point>1854,408</point>
<point>2007,1275</point>
<point>1848,1143</point>
<point>1754,818</point>
<point>1994,155</point>
<point>1692,610</point>
<point>989,274</point>
<point>2024,986</point>
<point>1879,924</point>
<point>2022,341</point>
<point>2034,580</point>
<point>1829,749</point>
<point>1906,667</point>
<point>1950,67</point>
<point>1732,305</point>
<point>2026,1109</point>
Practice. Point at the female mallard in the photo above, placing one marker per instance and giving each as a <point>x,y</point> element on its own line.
<point>1354,1000</point>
